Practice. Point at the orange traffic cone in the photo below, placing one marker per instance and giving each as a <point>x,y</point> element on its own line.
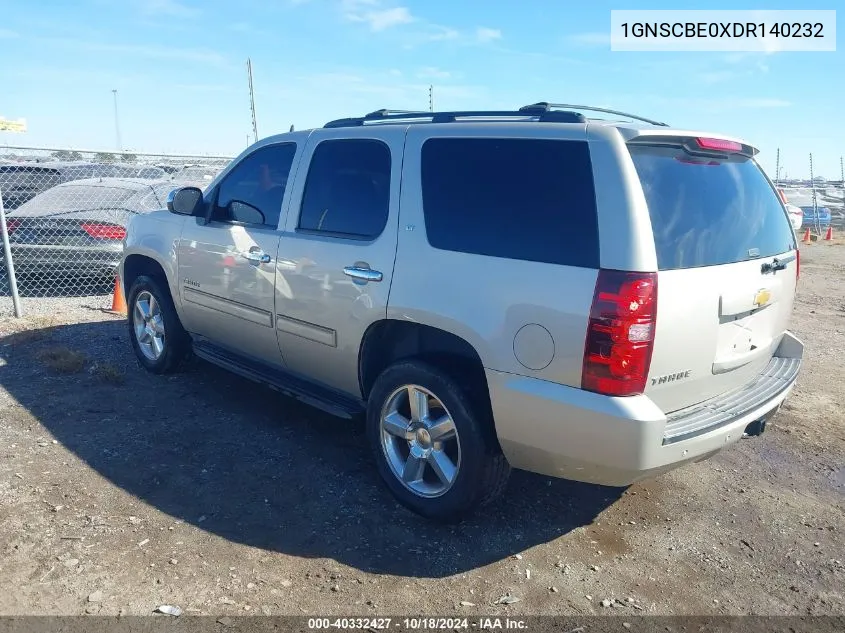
<point>829,234</point>
<point>807,236</point>
<point>118,301</point>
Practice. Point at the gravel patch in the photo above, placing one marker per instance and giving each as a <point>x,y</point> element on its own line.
<point>124,492</point>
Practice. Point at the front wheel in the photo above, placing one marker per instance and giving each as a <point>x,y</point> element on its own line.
<point>431,443</point>
<point>158,338</point>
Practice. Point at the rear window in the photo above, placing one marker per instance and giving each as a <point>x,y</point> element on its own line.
<point>710,211</point>
<point>80,198</point>
<point>512,198</point>
<point>26,176</point>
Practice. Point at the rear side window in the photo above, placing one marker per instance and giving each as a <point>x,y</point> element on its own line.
<point>709,211</point>
<point>347,192</point>
<point>521,199</point>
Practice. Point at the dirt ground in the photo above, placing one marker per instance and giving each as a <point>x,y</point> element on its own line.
<point>121,491</point>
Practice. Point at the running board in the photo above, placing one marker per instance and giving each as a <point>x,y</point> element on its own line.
<point>323,398</point>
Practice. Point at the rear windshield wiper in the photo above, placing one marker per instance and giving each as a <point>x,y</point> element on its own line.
<point>776,264</point>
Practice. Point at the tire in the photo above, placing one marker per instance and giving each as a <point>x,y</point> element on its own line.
<point>176,343</point>
<point>481,469</point>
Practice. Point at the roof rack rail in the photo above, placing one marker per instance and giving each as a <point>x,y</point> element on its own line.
<point>546,115</point>
<point>544,105</point>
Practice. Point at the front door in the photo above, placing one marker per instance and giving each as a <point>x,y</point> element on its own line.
<point>227,266</point>
<point>337,251</point>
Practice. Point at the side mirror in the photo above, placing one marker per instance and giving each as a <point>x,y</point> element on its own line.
<point>185,201</point>
<point>246,213</point>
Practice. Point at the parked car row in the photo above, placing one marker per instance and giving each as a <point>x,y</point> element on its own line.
<point>20,182</point>
<point>77,227</point>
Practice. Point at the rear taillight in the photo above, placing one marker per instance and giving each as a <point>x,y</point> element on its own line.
<point>620,334</point>
<point>12,225</point>
<point>104,231</point>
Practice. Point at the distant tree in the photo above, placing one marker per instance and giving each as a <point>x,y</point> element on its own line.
<point>104,157</point>
<point>64,154</point>
<point>129,157</point>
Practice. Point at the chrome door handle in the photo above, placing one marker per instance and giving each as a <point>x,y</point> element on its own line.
<point>364,274</point>
<point>257,256</point>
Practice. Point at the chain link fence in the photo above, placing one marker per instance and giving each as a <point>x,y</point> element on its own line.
<point>67,212</point>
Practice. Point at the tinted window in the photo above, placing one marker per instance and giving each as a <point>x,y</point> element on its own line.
<point>519,199</point>
<point>706,212</point>
<point>83,197</point>
<point>348,189</point>
<point>257,182</point>
<point>24,176</point>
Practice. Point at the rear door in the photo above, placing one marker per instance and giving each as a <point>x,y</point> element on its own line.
<point>336,255</point>
<point>727,262</point>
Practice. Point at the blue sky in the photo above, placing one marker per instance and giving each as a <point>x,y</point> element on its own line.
<point>179,68</point>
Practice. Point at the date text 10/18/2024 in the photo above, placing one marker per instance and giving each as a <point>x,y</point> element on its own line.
<point>417,624</point>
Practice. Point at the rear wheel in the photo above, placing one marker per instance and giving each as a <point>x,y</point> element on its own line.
<point>431,444</point>
<point>158,338</point>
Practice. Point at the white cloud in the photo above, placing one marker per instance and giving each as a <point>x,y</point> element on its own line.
<point>763,103</point>
<point>364,90</point>
<point>202,87</point>
<point>378,19</point>
<point>151,51</point>
<point>484,34</point>
<point>717,76</point>
<point>168,8</point>
<point>441,33</point>
<point>590,38</point>
<point>432,72</point>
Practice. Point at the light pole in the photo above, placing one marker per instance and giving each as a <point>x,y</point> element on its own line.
<point>116,122</point>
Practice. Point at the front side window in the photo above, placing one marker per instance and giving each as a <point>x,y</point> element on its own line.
<point>253,191</point>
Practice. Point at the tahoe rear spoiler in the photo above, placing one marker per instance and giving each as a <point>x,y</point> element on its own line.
<point>697,144</point>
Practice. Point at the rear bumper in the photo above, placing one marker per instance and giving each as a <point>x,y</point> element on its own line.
<point>34,259</point>
<point>566,432</point>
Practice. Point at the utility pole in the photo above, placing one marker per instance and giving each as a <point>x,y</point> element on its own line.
<point>815,204</point>
<point>777,169</point>
<point>841,172</point>
<point>431,98</point>
<point>116,123</point>
<point>252,98</point>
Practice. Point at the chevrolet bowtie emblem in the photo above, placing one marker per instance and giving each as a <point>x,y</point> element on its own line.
<point>762,297</point>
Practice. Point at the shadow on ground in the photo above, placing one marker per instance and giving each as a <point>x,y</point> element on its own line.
<point>247,464</point>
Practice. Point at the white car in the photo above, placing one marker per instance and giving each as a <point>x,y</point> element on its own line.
<point>796,216</point>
